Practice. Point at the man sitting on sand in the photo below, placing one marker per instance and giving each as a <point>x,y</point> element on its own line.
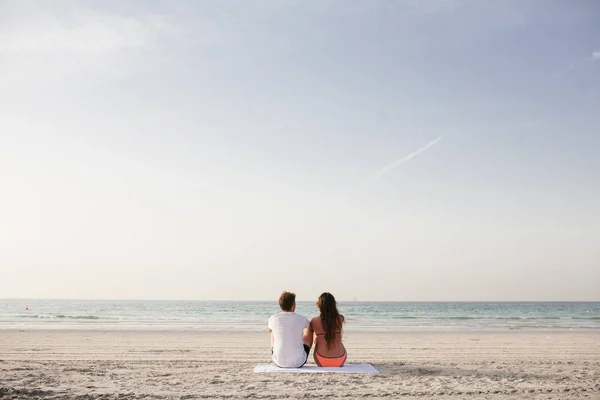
<point>291,335</point>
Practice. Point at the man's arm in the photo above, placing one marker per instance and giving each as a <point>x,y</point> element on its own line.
<point>271,332</point>
<point>307,335</point>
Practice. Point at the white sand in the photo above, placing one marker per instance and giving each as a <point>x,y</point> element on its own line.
<point>186,365</point>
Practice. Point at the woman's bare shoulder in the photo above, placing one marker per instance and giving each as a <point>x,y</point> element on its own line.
<point>315,323</point>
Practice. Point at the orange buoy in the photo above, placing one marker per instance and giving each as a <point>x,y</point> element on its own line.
<point>26,308</point>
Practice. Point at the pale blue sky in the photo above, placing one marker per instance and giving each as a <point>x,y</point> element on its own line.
<point>232,149</point>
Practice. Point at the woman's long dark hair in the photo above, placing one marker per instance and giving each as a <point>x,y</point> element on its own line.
<point>330,317</point>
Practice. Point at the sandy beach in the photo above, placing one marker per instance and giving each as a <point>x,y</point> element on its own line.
<point>187,365</point>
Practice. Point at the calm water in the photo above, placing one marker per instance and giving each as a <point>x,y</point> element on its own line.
<point>252,316</point>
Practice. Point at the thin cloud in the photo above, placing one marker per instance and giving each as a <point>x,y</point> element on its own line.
<point>596,55</point>
<point>96,33</point>
<point>49,46</point>
<point>404,159</point>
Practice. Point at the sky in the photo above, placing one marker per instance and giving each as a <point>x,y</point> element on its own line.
<point>381,150</point>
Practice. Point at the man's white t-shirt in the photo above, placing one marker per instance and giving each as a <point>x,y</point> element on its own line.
<point>288,349</point>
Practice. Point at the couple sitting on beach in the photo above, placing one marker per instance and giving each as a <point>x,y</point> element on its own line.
<point>292,334</point>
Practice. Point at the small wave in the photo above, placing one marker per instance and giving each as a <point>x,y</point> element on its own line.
<point>486,318</point>
<point>510,318</point>
<point>62,316</point>
<point>547,327</point>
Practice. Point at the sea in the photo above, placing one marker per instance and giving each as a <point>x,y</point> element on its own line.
<point>253,315</point>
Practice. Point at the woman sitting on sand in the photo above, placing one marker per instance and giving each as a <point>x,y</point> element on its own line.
<point>329,350</point>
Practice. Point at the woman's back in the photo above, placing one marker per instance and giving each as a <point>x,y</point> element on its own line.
<point>336,347</point>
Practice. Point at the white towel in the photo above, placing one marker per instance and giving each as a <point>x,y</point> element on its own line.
<point>365,368</point>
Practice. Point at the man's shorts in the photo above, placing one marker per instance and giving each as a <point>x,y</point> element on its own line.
<point>306,349</point>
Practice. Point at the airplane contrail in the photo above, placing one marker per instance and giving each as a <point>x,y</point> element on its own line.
<point>404,159</point>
